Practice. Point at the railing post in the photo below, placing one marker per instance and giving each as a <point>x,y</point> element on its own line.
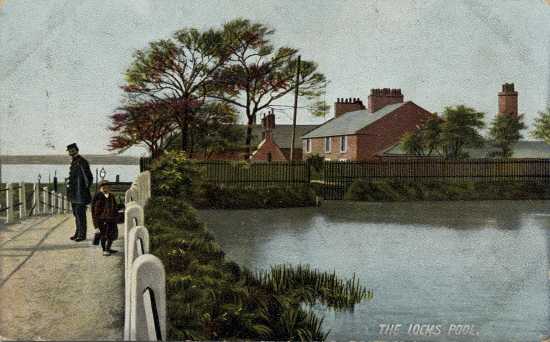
<point>52,206</point>
<point>148,300</point>
<point>9,203</point>
<point>35,199</point>
<point>133,216</point>
<point>59,203</point>
<point>22,201</point>
<point>45,201</point>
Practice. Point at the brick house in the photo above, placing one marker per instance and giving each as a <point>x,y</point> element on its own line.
<point>276,141</point>
<point>359,133</point>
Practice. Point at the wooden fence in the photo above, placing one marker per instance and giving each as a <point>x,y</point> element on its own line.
<point>338,176</point>
<point>257,175</point>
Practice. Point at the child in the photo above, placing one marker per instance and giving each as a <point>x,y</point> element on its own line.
<point>104,216</point>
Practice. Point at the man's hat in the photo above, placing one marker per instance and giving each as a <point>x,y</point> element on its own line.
<point>73,145</point>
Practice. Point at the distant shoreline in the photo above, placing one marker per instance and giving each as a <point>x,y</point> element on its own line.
<point>104,159</point>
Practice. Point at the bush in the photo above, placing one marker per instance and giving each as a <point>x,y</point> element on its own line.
<point>173,175</point>
<point>394,191</point>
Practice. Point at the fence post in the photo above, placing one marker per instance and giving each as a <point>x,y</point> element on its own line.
<point>52,206</point>
<point>138,243</point>
<point>45,201</point>
<point>35,199</point>
<point>9,203</point>
<point>148,300</point>
<point>133,216</point>
<point>59,203</point>
<point>22,201</point>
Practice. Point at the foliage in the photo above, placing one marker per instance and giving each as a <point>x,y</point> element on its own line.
<point>542,126</point>
<point>178,72</point>
<point>174,175</point>
<point>225,138</point>
<point>449,136</point>
<point>209,298</point>
<point>243,198</point>
<point>257,74</point>
<point>316,162</point>
<point>460,131</point>
<point>504,132</point>
<point>148,123</point>
<point>425,142</point>
<point>398,191</point>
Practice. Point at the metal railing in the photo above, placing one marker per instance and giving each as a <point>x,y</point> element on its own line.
<point>145,285</point>
<point>40,201</point>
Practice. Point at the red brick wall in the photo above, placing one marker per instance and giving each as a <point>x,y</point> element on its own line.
<point>386,132</point>
<point>267,147</point>
<point>318,148</point>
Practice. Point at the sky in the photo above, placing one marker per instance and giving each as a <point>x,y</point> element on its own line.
<point>62,62</point>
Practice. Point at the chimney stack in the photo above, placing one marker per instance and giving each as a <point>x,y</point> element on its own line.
<point>342,106</point>
<point>268,121</point>
<point>380,98</point>
<point>508,100</point>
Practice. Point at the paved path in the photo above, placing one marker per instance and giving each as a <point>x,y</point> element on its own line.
<point>52,288</point>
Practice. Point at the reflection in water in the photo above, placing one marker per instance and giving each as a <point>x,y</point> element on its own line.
<point>482,264</point>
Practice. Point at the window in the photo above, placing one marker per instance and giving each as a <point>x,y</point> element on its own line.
<point>343,144</point>
<point>308,145</point>
<point>327,145</point>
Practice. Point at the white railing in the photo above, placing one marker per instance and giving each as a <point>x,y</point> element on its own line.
<point>44,201</point>
<point>145,286</point>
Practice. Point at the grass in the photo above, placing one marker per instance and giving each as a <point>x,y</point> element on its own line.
<point>399,191</point>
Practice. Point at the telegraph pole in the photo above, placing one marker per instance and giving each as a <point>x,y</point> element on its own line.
<point>295,110</point>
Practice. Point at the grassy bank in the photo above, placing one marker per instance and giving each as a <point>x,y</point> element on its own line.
<point>396,191</point>
<point>210,298</point>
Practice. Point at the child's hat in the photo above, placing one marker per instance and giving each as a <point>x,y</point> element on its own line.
<point>103,183</point>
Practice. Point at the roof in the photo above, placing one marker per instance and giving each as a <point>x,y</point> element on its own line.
<point>351,122</point>
<point>282,135</point>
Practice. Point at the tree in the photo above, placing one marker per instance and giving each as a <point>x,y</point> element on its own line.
<point>459,131</point>
<point>542,126</point>
<point>425,142</point>
<point>208,121</point>
<point>257,74</point>
<point>178,72</point>
<point>143,123</point>
<point>504,132</point>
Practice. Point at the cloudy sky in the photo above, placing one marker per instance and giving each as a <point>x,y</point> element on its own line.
<point>61,62</point>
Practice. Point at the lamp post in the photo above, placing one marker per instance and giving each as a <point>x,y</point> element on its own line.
<point>55,181</point>
<point>102,173</point>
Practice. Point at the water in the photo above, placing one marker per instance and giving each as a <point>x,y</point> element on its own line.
<point>441,265</point>
<point>28,173</point>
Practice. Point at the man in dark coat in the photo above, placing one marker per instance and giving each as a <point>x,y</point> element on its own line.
<point>78,190</point>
